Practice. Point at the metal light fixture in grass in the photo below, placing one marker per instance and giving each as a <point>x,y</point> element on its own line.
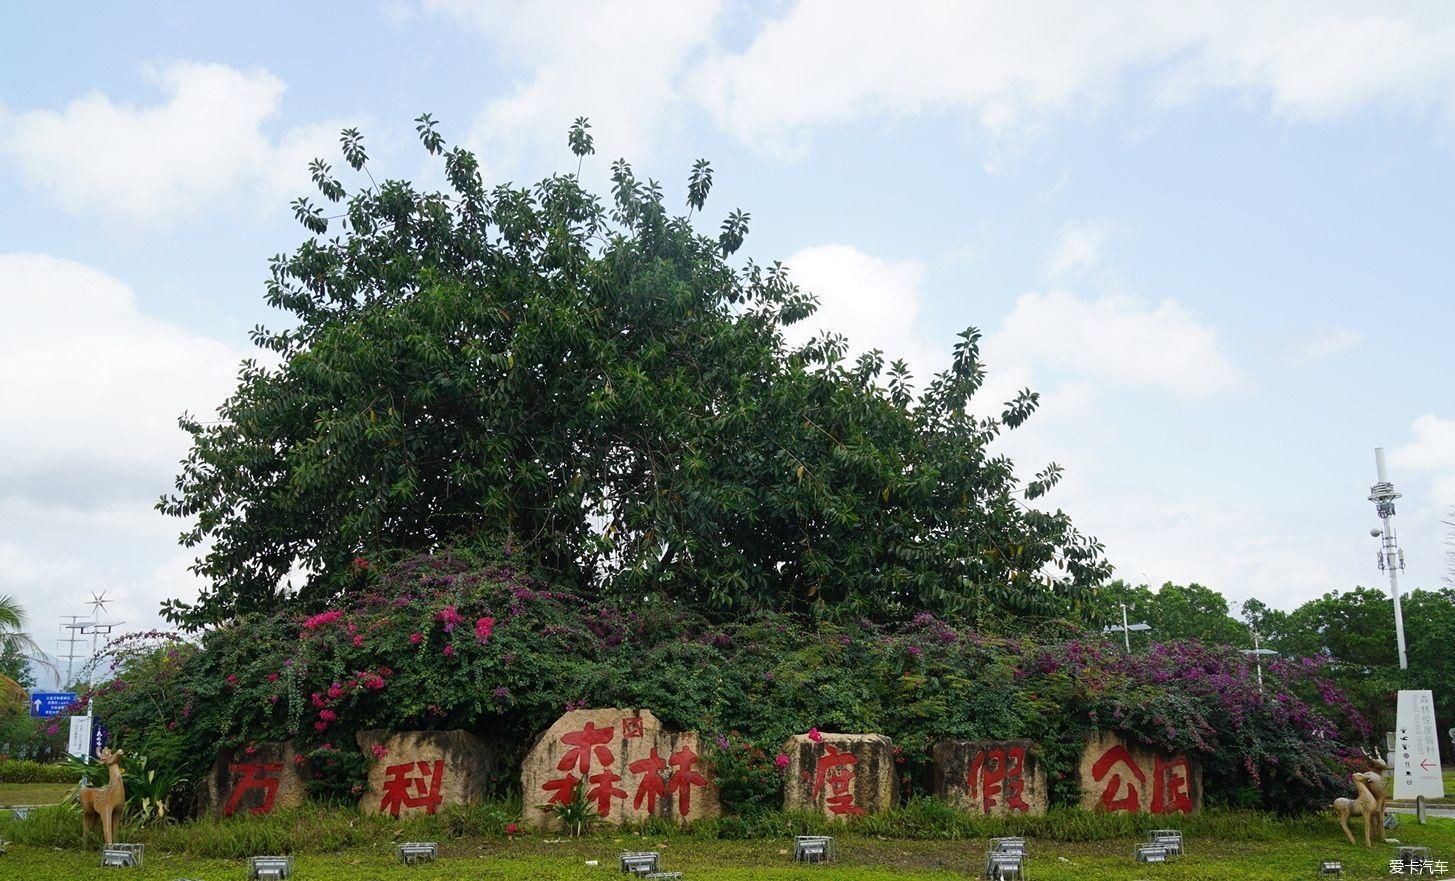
<point>1006,865</point>
<point>1011,844</point>
<point>122,856</point>
<point>413,852</point>
<point>1150,853</point>
<point>638,862</point>
<point>270,868</point>
<point>1412,860</point>
<point>1331,869</point>
<point>1169,839</point>
<point>813,849</point>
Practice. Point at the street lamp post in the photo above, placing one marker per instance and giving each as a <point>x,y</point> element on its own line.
<point>1257,651</point>
<point>1126,628</point>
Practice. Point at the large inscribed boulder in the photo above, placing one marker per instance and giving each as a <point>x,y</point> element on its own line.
<point>254,780</point>
<point>416,772</point>
<point>842,775</point>
<point>630,767</point>
<point>1121,775</point>
<point>994,777</point>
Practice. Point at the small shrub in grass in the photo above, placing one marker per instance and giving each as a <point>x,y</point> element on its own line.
<point>26,771</point>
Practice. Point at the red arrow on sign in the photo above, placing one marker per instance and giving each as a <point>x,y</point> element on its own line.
<point>1425,764</point>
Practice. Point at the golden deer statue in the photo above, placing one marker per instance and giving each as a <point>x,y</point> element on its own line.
<point>1368,804</point>
<point>104,802</point>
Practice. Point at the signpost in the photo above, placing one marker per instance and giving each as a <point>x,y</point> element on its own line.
<point>1417,750</point>
<point>79,742</point>
<point>44,704</point>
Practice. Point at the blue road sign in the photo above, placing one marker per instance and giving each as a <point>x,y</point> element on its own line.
<point>50,703</point>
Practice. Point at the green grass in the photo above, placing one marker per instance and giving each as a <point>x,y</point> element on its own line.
<point>1220,845</point>
<point>33,793</point>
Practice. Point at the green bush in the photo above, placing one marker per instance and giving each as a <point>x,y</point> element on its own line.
<point>461,640</point>
<point>26,771</point>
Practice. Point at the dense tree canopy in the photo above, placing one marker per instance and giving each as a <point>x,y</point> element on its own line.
<point>593,384</point>
<point>1173,611</point>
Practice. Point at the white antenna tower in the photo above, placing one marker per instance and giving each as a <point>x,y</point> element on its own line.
<point>1391,558</point>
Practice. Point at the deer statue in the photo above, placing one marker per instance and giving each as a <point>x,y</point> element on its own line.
<point>1369,802</point>
<point>104,802</point>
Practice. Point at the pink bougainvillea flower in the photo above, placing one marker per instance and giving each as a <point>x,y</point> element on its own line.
<point>272,677</point>
<point>814,736</point>
<point>450,618</point>
<point>361,564</point>
<point>449,651</point>
<point>379,751</point>
<point>320,726</point>
<point>298,760</point>
<point>327,715</point>
<point>321,619</point>
<point>416,638</point>
<point>483,628</point>
<point>358,641</point>
<point>781,761</point>
<point>511,828</point>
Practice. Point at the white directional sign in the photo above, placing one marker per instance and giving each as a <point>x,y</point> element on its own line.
<point>1417,747</point>
<point>79,743</point>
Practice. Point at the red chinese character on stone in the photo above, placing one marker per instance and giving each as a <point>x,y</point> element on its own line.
<point>836,769</point>
<point>992,772</point>
<point>631,727</point>
<point>412,785</point>
<point>684,778</point>
<point>651,786</point>
<point>1170,780</point>
<point>603,790</point>
<point>1129,802</point>
<point>561,789</point>
<point>254,780</point>
<point>584,743</point>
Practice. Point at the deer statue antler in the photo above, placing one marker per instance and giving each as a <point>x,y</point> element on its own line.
<point>1375,759</point>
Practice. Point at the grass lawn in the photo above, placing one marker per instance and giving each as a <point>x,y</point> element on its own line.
<point>33,793</point>
<point>860,859</point>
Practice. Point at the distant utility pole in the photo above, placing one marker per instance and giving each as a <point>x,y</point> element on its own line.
<point>76,627</point>
<point>1391,558</point>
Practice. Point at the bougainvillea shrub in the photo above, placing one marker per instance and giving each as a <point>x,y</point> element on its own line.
<point>458,640</point>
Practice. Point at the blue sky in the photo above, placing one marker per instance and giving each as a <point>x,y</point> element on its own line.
<point>1215,237</point>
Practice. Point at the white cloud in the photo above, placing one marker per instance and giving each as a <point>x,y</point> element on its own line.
<point>1116,339</point>
<point>204,144</point>
<point>1432,456</point>
<point>617,62</point>
<point>92,392</point>
<point>97,385</point>
<point>1326,344</point>
<point>1078,249</point>
<point>873,302</point>
<point>828,62</point>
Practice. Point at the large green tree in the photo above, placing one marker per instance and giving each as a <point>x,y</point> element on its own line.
<point>595,385</point>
